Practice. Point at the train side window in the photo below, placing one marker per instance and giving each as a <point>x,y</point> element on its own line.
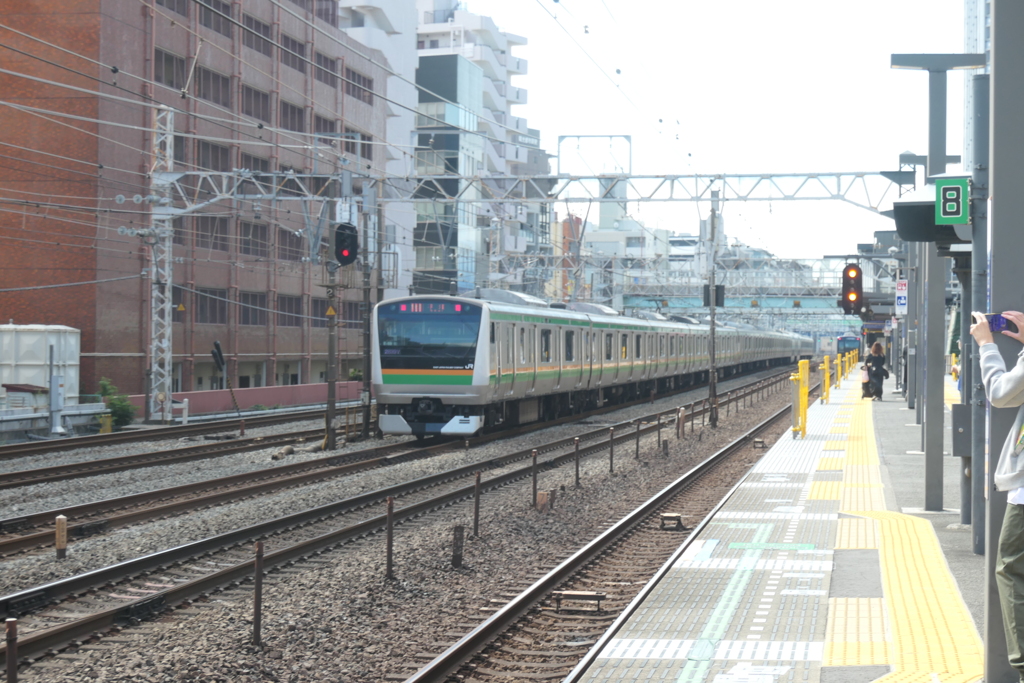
<point>492,333</point>
<point>570,339</point>
<point>586,347</point>
<point>508,344</point>
<point>609,342</point>
<point>639,347</point>
<point>661,345</point>
<point>522,345</point>
<point>625,346</point>
<point>545,346</point>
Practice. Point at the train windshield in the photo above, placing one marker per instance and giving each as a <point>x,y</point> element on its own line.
<point>436,329</point>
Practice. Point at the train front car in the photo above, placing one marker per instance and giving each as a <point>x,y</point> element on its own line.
<point>427,377</point>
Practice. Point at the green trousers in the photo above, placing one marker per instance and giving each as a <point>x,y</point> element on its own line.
<point>1010,582</point>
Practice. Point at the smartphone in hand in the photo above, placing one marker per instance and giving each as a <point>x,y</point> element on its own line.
<point>997,323</point>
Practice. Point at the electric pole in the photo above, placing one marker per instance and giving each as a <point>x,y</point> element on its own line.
<point>712,249</point>
<point>367,210</point>
<point>332,356</point>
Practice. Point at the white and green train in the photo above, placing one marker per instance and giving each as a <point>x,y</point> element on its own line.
<point>458,365</point>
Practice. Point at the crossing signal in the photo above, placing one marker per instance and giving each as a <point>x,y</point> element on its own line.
<point>853,290</point>
<point>346,243</point>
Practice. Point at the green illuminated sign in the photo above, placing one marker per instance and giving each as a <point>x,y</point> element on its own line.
<point>952,201</point>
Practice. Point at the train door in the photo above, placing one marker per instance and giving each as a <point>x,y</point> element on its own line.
<point>495,361</point>
<point>590,339</point>
<point>531,354</point>
<point>510,356</point>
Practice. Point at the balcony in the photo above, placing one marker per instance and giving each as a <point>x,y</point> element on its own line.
<point>516,66</point>
<point>493,98</point>
<point>517,95</point>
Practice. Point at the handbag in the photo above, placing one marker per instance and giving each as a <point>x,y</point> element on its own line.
<point>864,376</point>
<point>886,373</point>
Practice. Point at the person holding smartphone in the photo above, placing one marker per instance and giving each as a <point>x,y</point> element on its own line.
<point>1005,389</point>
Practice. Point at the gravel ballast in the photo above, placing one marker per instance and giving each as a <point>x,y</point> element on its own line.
<point>337,619</point>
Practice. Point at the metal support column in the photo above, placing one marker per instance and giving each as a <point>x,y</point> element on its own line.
<point>935,361</point>
<point>160,238</point>
<point>974,390</point>
<point>1005,245</point>
<point>913,326</point>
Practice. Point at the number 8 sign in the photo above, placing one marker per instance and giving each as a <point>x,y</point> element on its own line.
<point>952,205</point>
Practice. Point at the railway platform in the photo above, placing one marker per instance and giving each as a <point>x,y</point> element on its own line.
<point>820,566</point>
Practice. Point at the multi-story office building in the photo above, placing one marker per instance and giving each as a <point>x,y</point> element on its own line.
<point>266,85</point>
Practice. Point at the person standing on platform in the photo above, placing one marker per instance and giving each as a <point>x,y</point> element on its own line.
<point>1006,390</point>
<point>876,370</point>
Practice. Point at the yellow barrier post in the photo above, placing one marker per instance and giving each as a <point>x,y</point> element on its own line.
<point>805,386</point>
<point>826,380</point>
<point>801,383</point>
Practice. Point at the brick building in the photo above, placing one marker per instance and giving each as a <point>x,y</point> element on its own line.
<point>271,85</point>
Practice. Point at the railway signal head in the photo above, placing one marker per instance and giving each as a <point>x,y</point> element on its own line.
<point>346,243</point>
<point>852,301</point>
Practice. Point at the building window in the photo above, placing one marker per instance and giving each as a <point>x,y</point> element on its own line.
<point>326,70</point>
<point>213,86</point>
<point>179,6</point>
<point>258,35</point>
<point>169,70</point>
<point>304,4</point>
<point>358,86</point>
<point>318,311</point>
<point>178,225</point>
<point>180,149</point>
<point>253,240</point>
<point>252,308</point>
<point>290,247</point>
<point>352,138</point>
<point>258,166</point>
<point>293,53</point>
<point>289,311</point>
<point>434,44</point>
<point>212,306</point>
<point>327,10</point>
<point>352,317</point>
<point>216,15</point>
<point>256,103</point>
<point>328,128</point>
<point>366,148</point>
<point>177,302</point>
<point>212,233</point>
<point>292,117</point>
<point>213,157</point>
<point>634,242</point>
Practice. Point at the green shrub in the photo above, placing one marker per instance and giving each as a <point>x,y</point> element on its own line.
<point>355,375</point>
<point>122,412</point>
<point>259,406</point>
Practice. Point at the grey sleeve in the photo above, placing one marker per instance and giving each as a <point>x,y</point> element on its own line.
<point>1004,389</point>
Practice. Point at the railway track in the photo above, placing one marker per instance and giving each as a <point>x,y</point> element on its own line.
<point>24,532</point>
<point>149,585</point>
<point>20,450</point>
<point>529,637</point>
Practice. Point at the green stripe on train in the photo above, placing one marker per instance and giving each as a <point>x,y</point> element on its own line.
<point>429,379</point>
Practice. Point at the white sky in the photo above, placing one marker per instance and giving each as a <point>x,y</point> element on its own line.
<point>756,87</point>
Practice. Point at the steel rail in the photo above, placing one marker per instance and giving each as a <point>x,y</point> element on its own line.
<point>18,450</point>
<point>39,642</point>
<point>458,654</point>
<point>325,467</point>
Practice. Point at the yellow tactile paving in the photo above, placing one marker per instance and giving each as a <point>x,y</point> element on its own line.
<point>860,474</point>
<point>930,636</point>
<point>856,633</point>
<point>857,534</point>
<point>831,463</point>
<point>862,498</point>
<point>825,490</point>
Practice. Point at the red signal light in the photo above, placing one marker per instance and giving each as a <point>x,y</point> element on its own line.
<point>403,307</point>
<point>344,252</point>
<point>458,308</point>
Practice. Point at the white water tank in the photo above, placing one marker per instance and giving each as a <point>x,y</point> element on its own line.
<point>25,356</point>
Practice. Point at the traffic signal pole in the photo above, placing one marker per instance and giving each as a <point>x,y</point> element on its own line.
<point>367,211</point>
